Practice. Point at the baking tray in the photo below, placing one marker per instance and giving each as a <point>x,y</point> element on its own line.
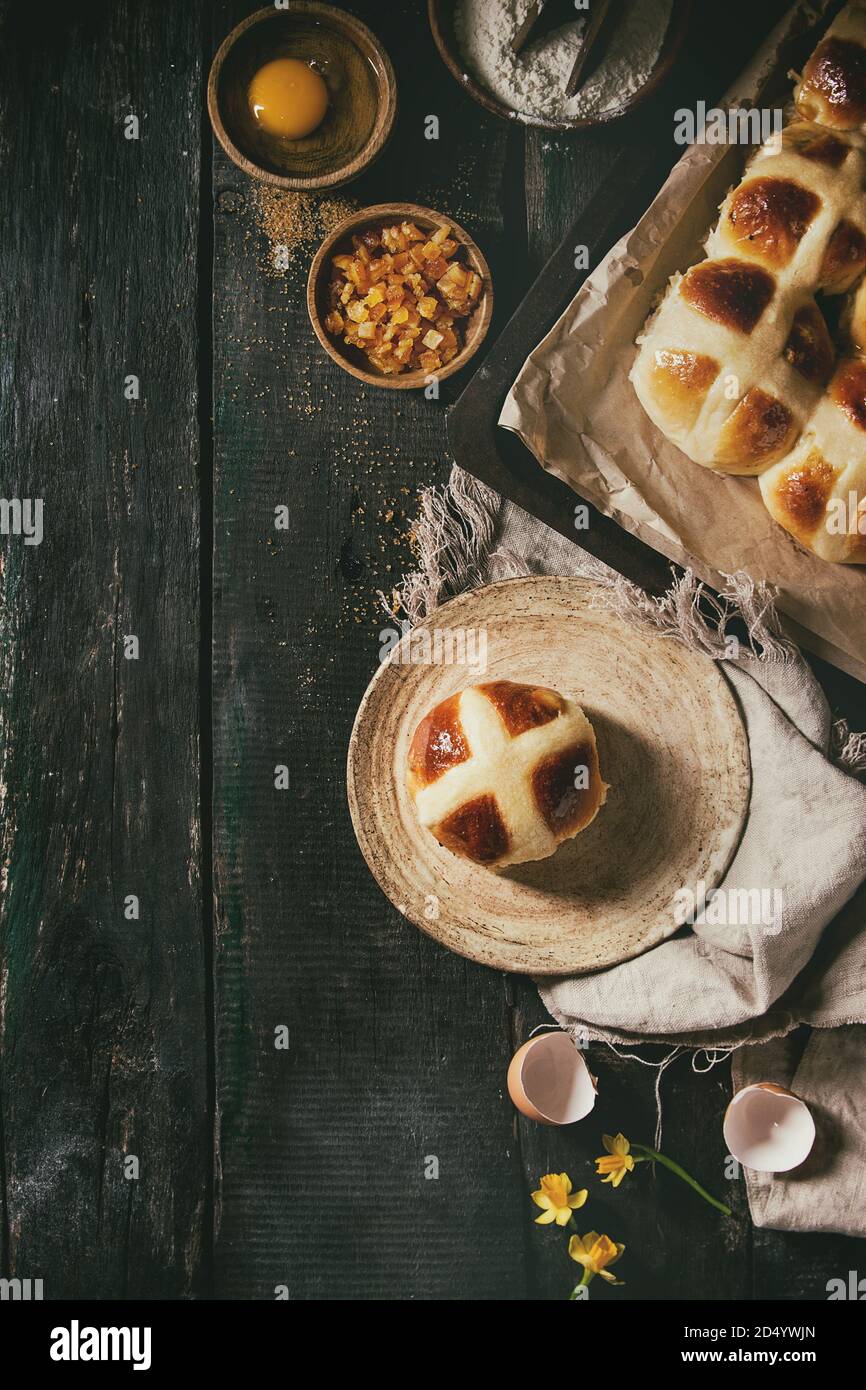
<point>497,456</point>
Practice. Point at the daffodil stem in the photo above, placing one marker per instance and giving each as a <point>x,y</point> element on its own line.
<point>587,1276</point>
<point>655,1157</point>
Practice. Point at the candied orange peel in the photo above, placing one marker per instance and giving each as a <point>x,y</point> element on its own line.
<point>400,296</point>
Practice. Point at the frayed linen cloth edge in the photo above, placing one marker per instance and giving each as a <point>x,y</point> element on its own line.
<point>454,538</point>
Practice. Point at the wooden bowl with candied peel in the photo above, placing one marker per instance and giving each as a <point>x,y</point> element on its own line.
<point>400,296</point>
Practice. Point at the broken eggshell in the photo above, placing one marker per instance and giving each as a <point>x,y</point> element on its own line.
<point>768,1128</point>
<point>549,1081</point>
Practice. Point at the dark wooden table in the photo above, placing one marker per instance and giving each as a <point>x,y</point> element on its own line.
<point>153,776</point>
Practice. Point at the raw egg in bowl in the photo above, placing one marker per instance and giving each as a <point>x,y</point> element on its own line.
<point>288,98</point>
<point>303,97</point>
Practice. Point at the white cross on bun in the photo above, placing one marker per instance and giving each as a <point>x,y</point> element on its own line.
<point>502,773</point>
<point>737,367</point>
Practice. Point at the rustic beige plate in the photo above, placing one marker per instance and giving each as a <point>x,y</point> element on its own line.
<point>671,744</point>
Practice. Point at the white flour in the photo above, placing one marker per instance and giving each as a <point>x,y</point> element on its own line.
<point>533,84</point>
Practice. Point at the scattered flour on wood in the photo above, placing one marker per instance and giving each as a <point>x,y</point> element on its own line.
<point>533,84</point>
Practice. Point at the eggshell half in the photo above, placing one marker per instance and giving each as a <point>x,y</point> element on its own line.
<point>549,1081</point>
<point>768,1128</point>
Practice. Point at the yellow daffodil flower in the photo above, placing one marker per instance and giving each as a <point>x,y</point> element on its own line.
<point>622,1156</point>
<point>617,1161</point>
<point>595,1253</point>
<point>556,1199</point>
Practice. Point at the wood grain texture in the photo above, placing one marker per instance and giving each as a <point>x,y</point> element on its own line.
<point>398,1050</point>
<point>102,1019</point>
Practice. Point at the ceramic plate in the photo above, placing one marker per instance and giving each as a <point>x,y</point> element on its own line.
<point>671,744</point>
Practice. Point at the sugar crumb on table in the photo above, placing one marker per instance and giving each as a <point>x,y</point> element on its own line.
<point>294,223</point>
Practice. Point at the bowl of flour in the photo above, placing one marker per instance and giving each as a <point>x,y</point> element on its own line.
<point>639,44</point>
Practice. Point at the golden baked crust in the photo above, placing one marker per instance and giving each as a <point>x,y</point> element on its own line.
<point>848,390</point>
<point>833,89</point>
<point>817,491</point>
<point>565,807</point>
<point>731,292</point>
<point>844,259</point>
<point>815,144</point>
<point>438,743</point>
<point>681,381</point>
<point>475,830</point>
<point>522,707</point>
<point>809,349</point>
<point>760,431</point>
<point>771,216</point>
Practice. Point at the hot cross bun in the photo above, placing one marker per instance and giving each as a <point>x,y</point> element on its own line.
<point>502,773</point>
<point>736,366</point>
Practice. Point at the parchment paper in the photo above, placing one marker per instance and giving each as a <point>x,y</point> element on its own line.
<point>575,409</point>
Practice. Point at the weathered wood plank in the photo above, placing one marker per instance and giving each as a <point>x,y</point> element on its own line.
<point>397,1049</point>
<point>102,1019</point>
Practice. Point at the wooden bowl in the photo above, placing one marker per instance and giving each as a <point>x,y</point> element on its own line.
<point>441,15</point>
<point>352,360</point>
<point>361,82</point>
<point>671,744</point>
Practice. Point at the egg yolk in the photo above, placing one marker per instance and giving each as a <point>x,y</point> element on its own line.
<point>287,97</point>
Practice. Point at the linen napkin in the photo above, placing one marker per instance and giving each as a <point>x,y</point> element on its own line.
<point>719,986</point>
